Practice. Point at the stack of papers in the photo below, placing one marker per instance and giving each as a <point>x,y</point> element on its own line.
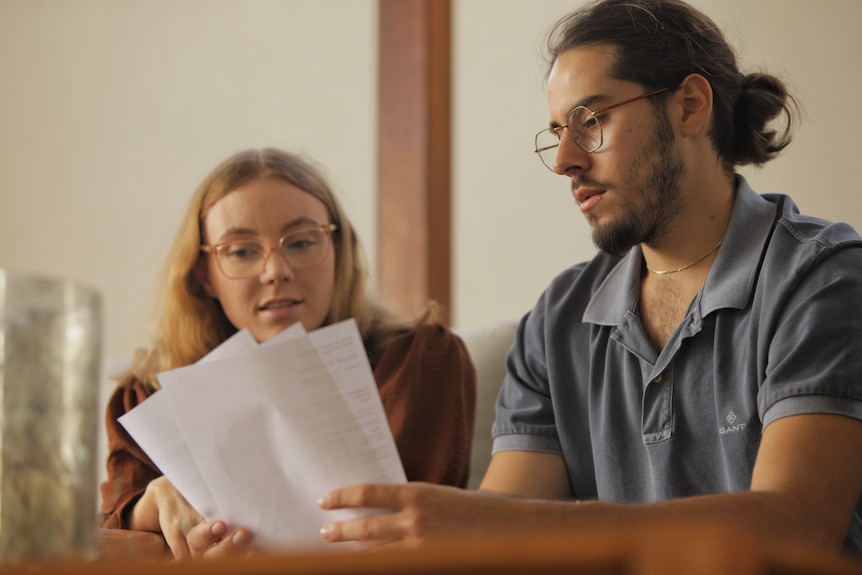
<point>254,434</point>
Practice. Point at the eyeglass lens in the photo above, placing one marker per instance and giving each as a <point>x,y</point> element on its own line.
<point>245,258</point>
<point>583,127</point>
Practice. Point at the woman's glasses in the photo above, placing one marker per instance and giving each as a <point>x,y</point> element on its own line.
<point>246,258</point>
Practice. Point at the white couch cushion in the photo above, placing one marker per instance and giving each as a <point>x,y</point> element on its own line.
<point>488,346</point>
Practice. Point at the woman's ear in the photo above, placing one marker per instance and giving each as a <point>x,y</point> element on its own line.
<point>696,104</point>
<point>202,273</point>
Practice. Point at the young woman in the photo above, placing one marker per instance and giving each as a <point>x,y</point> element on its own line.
<point>265,244</point>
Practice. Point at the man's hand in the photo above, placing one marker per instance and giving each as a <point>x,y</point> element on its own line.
<point>420,511</point>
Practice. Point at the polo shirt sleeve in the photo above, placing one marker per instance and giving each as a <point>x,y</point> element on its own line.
<point>814,356</point>
<point>525,418</point>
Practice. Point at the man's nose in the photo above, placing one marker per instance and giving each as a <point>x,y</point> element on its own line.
<point>571,158</point>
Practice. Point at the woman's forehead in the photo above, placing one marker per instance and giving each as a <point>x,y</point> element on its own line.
<point>264,206</point>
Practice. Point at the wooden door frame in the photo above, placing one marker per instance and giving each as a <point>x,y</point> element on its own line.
<point>414,147</point>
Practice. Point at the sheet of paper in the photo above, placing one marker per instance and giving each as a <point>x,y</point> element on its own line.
<point>296,330</point>
<point>271,429</point>
<point>237,343</point>
<point>154,426</point>
<point>342,351</point>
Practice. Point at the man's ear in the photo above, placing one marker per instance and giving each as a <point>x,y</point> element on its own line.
<point>696,104</point>
<point>202,273</point>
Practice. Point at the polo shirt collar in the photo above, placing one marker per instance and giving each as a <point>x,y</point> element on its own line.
<point>730,281</point>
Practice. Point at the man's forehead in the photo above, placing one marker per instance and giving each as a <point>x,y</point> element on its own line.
<point>580,76</point>
<point>582,68</point>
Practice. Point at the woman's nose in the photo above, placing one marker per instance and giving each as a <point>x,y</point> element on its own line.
<point>275,267</point>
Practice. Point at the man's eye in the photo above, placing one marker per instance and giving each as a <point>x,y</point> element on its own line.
<point>590,123</point>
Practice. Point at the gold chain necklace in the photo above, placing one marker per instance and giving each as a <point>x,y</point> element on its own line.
<point>685,267</point>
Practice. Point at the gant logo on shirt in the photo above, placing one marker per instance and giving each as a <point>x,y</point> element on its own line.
<point>731,428</point>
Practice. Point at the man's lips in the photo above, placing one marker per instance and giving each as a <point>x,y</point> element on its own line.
<point>587,198</point>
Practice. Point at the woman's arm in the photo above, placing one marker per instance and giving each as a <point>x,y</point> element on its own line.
<point>129,468</point>
<point>427,384</point>
<point>136,496</point>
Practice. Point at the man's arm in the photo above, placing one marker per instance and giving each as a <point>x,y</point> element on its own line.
<point>527,474</point>
<point>806,482</point>
<point>815,461</point>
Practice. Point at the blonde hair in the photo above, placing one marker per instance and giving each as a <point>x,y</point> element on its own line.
<point>189,323</point>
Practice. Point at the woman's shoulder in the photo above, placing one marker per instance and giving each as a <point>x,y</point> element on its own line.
<point>430,335</point>
<point>426,343</point>
<point>129,393</point>
<point>427,356</point>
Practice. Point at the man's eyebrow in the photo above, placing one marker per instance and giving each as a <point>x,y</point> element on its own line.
<point>587,102</point>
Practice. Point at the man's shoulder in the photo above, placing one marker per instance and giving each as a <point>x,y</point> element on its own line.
<point>807,227</point>
<point>590,272</point>
<point>571,291</point>
<point>804,241</point>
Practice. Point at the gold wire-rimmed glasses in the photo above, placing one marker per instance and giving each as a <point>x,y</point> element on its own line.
<point>246,257</point>
<point>585,128</point>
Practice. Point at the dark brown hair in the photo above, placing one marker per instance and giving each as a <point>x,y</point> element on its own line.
<point>660,42</point>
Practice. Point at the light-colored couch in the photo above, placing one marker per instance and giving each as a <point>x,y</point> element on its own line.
<point>487,345</point>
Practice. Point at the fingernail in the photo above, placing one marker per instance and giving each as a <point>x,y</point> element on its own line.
<point>323,501</point>
<point>218,528</point>
<point>326,532</point>
<point>240,537</point>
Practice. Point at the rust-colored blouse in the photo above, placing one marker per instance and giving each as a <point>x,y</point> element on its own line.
<point>427,384</point>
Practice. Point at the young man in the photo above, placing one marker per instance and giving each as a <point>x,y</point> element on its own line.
<point>705,364</point>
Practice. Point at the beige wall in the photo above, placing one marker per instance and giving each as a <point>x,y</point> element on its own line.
<point>520,221</point>
<point>111,111</point>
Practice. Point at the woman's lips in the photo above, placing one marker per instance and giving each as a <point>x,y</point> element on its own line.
<point>279,304</point>
<point>280,308</point>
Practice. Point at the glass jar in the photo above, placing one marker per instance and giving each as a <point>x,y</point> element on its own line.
<point>50,356</point>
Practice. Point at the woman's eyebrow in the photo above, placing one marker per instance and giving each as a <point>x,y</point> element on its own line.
<point>300,221</point>
<point>237,231</point>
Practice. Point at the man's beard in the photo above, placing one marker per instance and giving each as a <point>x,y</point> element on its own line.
<point>661,192</point>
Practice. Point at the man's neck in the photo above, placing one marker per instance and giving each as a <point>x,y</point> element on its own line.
<point>702,223</point>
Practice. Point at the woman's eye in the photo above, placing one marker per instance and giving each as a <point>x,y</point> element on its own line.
<point>242,251</point>
<point>299,244</point>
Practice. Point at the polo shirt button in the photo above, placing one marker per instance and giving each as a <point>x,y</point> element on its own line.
<point>659,378</point>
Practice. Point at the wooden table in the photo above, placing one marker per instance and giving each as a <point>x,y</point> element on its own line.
<point>678,550</point>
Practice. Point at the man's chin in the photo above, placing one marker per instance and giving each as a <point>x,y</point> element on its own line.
<point>613,244</point>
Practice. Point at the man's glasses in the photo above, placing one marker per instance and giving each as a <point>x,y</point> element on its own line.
<point>584,127</point>
<point>246,258</point>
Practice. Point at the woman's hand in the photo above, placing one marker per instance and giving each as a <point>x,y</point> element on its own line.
<point>211,540</point>
<point>162,509</point>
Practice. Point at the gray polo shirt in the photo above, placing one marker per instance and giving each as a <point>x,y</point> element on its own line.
<point>776,330</point>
